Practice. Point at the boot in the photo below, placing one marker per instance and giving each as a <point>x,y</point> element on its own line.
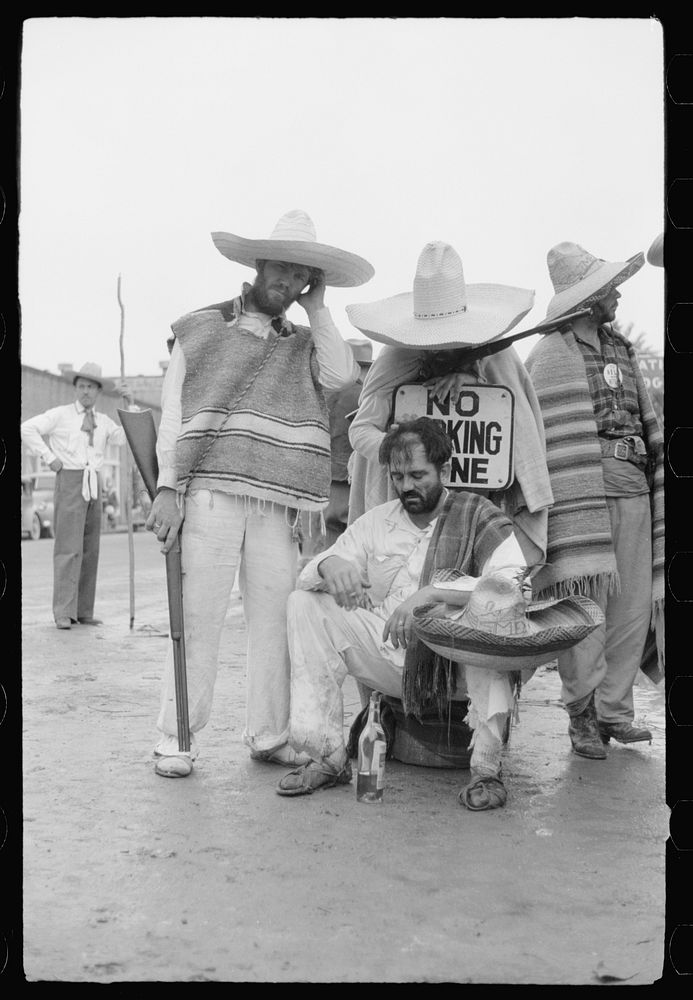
<point>624,732</point>
<point>583,729</point>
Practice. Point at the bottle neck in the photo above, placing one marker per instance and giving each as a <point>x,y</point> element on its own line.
<point>375,709</point>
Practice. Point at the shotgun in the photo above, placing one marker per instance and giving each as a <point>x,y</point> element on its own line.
<point>548,326</point>
<point>141,436</point>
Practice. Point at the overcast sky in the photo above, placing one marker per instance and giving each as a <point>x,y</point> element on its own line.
<point>141,136</point>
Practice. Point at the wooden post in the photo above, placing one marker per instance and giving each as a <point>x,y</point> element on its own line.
<point>128,472</point>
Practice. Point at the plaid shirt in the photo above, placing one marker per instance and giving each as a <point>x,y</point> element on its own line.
<point>617,411</point>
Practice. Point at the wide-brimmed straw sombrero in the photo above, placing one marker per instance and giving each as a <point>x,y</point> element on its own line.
<point>442,311</point>
<point>293,239</point>
<point>579,278</point>
<point>91,371</point>
<point>499,630</point>
<point>655,253</point>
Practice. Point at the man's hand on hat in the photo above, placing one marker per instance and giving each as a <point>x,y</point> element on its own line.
<point>164,518</point>
<point>344,581</point>
<point>314,298</point>
<point>399,628</point>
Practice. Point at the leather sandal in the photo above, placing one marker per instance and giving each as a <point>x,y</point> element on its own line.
<point>308,778</point>
<point>172,766</point>
<point>285,755</point>
<point>491,792</point>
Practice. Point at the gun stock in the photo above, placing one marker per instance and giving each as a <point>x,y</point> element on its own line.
<point>140,432</point>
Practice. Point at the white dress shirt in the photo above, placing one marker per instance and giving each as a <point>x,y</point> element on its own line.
<point>62,425</point>
<point>389,550</point>
<point>336,361</point>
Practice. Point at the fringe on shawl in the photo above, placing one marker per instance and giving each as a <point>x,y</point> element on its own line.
<point>592,586</point>
<point>431,685</point>
<point>263,506</point>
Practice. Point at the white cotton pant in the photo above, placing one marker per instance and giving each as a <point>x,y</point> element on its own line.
<point>327,642</point>
<point>223,533</point>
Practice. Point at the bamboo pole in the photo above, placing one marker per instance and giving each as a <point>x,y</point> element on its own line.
<point>128,471</point>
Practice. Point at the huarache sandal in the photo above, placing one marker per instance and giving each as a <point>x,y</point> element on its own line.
<point>283,755</point>
<point>173,766</point>
<point>483,793</point>
<point>309,778</point>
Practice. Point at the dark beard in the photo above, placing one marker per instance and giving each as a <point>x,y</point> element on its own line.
<point>262,301</point>
<point>424,505</point>
<point>601,314</point>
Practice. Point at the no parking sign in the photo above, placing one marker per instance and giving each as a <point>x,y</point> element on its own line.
<point>480,424</point>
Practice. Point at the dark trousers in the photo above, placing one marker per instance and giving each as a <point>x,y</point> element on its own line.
<point>77,525</point>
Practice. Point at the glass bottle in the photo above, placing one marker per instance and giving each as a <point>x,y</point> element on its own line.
<point>370,778</point>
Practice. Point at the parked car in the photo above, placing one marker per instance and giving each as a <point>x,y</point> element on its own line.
<point>37,505</point>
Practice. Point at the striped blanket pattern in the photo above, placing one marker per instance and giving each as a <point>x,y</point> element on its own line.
<point>468,531</point>
<point>275,446</point>
<point>580,556</point>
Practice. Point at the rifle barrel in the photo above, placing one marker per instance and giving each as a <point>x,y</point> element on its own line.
<point>494,346</point>
<point>140,432</point>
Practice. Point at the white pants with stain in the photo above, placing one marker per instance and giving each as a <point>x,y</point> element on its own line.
<point>223,533</point>
<point>326,643</point>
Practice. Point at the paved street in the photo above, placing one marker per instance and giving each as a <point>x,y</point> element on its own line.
<point>129,877</point>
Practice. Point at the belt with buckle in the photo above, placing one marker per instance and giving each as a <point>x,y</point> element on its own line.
<point>627,449</point>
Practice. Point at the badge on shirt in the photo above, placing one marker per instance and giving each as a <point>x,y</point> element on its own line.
<point>613,376</point>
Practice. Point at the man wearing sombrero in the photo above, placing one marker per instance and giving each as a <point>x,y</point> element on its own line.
<point>428,333</point>
<point>77,438</point>
<point>353,612</point>
<point>606,527</point>
<point>243,451</point>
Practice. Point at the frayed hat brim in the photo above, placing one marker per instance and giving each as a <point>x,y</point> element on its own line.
<point>553,626</point>
<point>594,287</point>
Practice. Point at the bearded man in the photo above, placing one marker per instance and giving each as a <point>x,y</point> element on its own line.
<point>243,451</point>
<point>353,613</point>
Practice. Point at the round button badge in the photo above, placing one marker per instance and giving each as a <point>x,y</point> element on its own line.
<point>613,376</point>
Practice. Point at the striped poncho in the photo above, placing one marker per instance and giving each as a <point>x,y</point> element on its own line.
<point>275,446</point>
<point>580,554</point>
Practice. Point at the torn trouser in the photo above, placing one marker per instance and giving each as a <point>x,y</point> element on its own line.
<point>326,643</point>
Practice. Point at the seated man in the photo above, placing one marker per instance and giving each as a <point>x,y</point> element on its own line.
<point>353,611</point>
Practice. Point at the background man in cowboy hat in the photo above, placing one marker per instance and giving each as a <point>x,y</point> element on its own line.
<point>353,611</point>
<point>428,333</point>
<point>341,406</point>
<point>243,451</point>
<point>606,527</point>
<point>77,437</point>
